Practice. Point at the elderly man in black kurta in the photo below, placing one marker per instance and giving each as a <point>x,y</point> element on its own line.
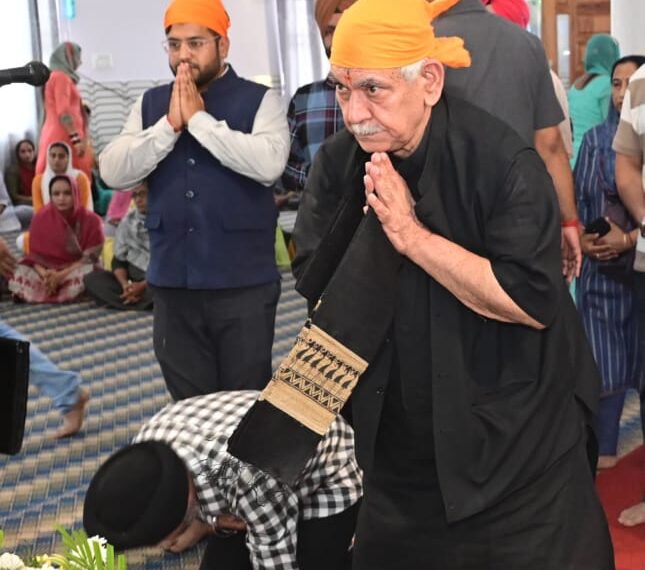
<point>467,426</point>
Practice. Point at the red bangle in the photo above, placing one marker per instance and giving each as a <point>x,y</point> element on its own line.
<point>570,223</point>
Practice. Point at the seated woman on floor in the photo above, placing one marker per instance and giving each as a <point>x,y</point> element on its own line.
<point>19,177</point>
<point>58,162</point>
<point>65,243</point>
<point>125,287</point>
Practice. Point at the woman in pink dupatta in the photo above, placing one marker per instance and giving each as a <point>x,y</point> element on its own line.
<point>65,243</point>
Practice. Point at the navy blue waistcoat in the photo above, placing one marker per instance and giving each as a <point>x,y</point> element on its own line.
<point>210,227</point>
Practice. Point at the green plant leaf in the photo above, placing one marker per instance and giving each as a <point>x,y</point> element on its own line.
<point>83,554</point>
<point>98,557</point>
<point>109,562</point>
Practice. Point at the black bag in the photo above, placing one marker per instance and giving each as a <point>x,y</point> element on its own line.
<point>14,384</point>
<point>621,267</point>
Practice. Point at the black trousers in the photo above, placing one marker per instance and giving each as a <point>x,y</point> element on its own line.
<point>212,340</point>
<point>323,544</point>
<point>554,523</point>
<point>106,290</point>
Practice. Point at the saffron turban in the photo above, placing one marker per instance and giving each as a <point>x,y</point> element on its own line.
<point>382,34</point>
<point>516,11</point>
<point>325,9</point>
<point>209,13</point>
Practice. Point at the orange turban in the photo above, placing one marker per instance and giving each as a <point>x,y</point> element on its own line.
<point>209,13</point>
<point>325,9</point>
<point>383,34</point>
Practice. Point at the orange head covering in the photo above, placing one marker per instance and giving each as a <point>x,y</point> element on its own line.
<point>325,9</point>
<point>382,34</point>
<point>209,13</point>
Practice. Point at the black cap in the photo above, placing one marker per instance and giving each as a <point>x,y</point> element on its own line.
<point>138,496</point>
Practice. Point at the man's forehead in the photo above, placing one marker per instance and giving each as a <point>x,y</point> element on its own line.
<point>182,31</point>
<point>353,77</point>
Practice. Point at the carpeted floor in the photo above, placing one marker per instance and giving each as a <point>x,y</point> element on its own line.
<point>45,483</point>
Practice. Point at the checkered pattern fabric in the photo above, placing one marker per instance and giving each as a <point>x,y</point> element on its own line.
<point>313,116</point>
<point>198,429</point>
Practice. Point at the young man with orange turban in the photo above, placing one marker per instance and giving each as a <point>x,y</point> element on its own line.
<point>210,145</point>
<point>313,114</point>
<point>466,424</point>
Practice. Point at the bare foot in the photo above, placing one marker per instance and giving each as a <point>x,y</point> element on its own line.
<point>73,420</point>
<point>195,531</point>
<point>607,461</point>
<point>633,515</point>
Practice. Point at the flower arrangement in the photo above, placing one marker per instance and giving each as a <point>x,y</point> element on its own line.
<point>80,553</point>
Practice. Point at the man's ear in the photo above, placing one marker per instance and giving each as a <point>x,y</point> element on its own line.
<point>224,45</point>
<point>434,74</point>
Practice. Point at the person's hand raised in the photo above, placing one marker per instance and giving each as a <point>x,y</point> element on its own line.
<point>388,195</point>
<point>174,110</point>
<point>191,100</point>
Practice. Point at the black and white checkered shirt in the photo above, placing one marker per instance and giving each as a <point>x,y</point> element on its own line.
<point>198,430</point>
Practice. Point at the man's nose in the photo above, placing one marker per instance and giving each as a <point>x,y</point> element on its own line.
<point>622,91</point>
<point>184,52</point>
<point>356,109</point>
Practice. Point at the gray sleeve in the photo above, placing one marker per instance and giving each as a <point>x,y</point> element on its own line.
<point>547,109</point>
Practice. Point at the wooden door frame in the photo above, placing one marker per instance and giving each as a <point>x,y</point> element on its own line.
<point>550,10</point>
<point>549,32</point>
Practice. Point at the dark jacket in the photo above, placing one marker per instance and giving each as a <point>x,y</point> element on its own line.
<point>210,227</point>
<point>503,395</point>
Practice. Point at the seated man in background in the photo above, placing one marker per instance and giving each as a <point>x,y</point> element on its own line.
<point>125,287</point>
<point>177,484</point>
<point>61,386</point>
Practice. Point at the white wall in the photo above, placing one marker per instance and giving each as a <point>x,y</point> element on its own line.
<point>17,101</point>
<point>628,25</point>
<point>130,32</point>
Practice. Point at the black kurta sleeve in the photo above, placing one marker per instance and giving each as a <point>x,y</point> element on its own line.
<point>318,204</point>
<point>522,237</point>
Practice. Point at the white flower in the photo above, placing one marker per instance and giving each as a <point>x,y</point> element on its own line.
<point>10,561</point>
<point>91,541</point>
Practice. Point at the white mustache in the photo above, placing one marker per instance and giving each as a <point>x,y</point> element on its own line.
<point>364,130</point>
